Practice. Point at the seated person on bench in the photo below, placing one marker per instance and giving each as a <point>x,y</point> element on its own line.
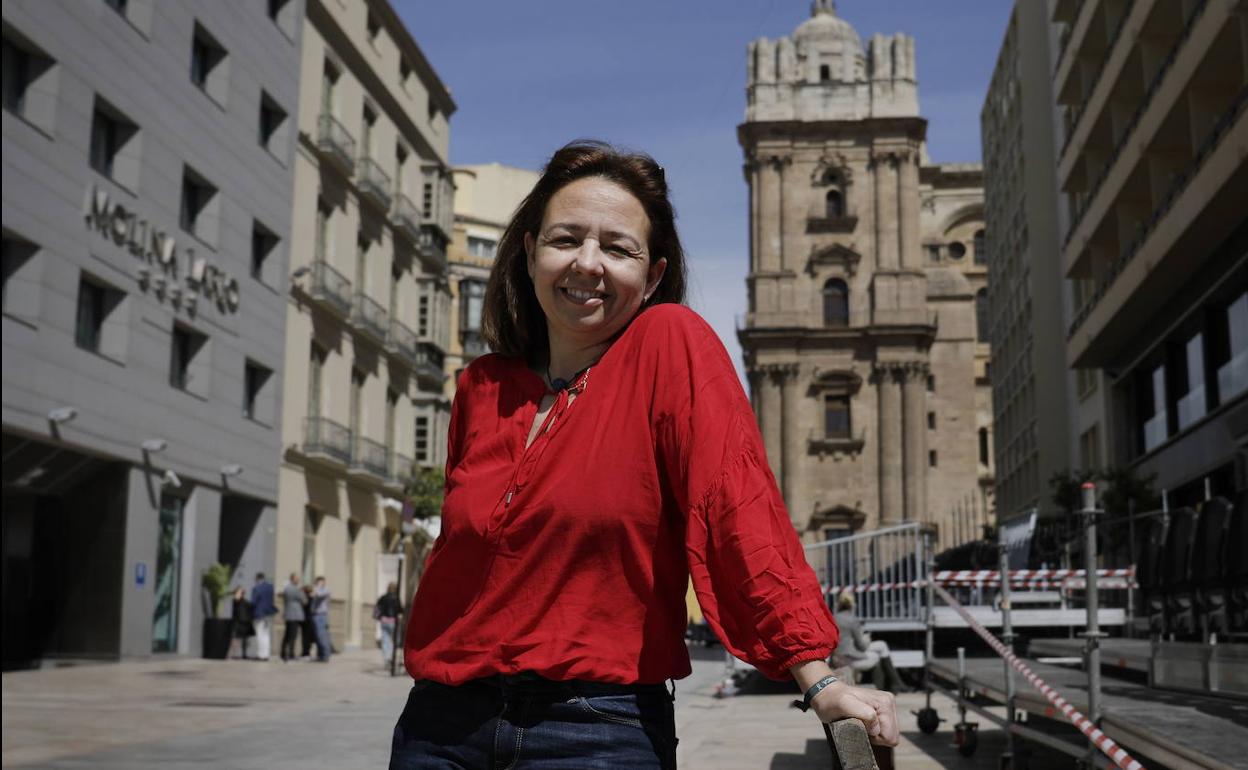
<point>857,651</point>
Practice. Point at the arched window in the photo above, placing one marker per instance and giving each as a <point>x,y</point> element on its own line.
<point>835,303</point>
<point>981,315</point>
<point>835,204</point>
<point>981,248</point>
<point>825,73</point>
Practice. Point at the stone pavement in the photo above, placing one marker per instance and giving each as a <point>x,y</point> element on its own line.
<point>187,713</point>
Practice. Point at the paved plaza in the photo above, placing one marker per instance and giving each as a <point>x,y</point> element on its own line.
<point>190,713</point>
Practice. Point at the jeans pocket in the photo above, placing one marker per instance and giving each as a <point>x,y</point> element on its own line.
<point>618,709</point>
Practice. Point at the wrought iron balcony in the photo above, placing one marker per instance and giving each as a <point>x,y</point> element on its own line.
<point>373,181</point>
<point>400,470</point>
<point>403,342</point>
<point>406,217</point>
<point>325,439</point>
<point>330,287</point>
<point>370,457</point>
<point>370,318</point>
<point>429,360</point>
<point>336,142</point>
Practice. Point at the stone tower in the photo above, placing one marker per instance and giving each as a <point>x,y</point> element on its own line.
<point>851,291</point>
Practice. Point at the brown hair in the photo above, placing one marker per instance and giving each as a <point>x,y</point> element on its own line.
<point>512,321</point>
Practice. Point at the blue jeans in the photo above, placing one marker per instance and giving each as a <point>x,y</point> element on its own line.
<point>322,635</point>
<point>492,725</point>
<point>387,642</point>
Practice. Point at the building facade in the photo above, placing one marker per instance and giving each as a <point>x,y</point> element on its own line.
<point>866,367</point>
<point>1152,165</point>
<point>486,195</point>
<point>148,162</point>
<point>1032,387</point>
<point>367,303</point>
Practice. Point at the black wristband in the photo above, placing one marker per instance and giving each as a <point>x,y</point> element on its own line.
<point>815,689</point>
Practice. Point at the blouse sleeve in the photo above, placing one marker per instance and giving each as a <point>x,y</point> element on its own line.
<point>748,566</point>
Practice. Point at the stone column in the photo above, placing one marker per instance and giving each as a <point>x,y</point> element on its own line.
<point>791,436</point>
<point>908,211</point>
<point>890,458</point>
<point>780,162</point>
<point>914,400</point>
<point>769,416</point>
<point>768,217</point>
<point>751,178</point>
<point>885,211</point>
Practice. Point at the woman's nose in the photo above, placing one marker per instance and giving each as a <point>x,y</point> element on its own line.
<point>588,257</point>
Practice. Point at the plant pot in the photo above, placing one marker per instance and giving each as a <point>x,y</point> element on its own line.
<point>217,637</point>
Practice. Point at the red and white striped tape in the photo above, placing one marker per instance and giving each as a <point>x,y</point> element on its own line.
<point>1116,753</point>
<point>1026,574</point>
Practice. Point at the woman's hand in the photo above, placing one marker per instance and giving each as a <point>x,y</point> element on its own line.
<point>875,708</point>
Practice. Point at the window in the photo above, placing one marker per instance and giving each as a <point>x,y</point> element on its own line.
<point>422,440</point>
<point>316,368</point>
<point>100,319</point>
<point>981,248</point>
<point>834,206</point>
<point>835,303</point>
<point>485,248</point>
<point>187,360</point>
<point>984,458</point>
<point>931,421</point>
<point>1189,373</point>
<point>110,135</point>
<point>422,312</point>
<point>1150,401</point>
<point>29,82</point>
<point>825,73</point>
<point>392,407</point>
<point>356,414</point>
<point>255,377</point>
<point>1229,349</point>
<point>933,253</point>
<point>263,244</point>
<point>981,316</point>
<point>307,564</point>
<point>198,212</point>
<point>405,71</point>
<point>366,135</point>
<point>272,126</point>
<point>426,203</point>
<point>836,417</point>
<point>373,26</point>
<point>931,383</point>
<point>957,250</point>
<point>361,262</point>
<point>208,65</point>
<point>329,83</point>
<point>1090,449</point>
<point>931,458</point>
<point>471,301</point>
<point>21,277</point>
<point>323,214</point>
<point>1085,382</point>
<point>400,169</point>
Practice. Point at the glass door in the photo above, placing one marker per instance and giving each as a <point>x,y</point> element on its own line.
<point>168,570</point>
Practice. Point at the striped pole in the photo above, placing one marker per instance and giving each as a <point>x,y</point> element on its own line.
<point>1116,753</point>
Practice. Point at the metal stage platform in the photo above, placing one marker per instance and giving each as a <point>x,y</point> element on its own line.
<point>1189,666</point>
<point>1176,730</point>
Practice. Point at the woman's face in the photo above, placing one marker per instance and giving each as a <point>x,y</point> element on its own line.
<point>590,261</point>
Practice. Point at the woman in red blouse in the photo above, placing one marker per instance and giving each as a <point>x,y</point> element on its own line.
<point>602,457</point>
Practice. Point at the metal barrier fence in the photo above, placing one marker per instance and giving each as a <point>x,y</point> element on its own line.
<point>894,556</point>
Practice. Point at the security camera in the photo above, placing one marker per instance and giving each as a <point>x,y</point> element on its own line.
<point>153,445</point>
<point>62,414</point>
<point>171,479</point>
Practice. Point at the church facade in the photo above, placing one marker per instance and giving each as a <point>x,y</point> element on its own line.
<point>866,355</point>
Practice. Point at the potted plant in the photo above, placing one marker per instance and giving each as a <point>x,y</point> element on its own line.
<point>215,582</point>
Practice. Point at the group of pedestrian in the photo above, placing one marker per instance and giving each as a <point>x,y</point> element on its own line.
<point>306,610</point>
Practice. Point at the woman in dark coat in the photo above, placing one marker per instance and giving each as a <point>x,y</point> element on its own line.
<point>242,629</point>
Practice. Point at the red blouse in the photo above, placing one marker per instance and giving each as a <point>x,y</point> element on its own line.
<point>571,558</point>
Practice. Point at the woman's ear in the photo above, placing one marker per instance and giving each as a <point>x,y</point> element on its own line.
<point>653,276</point>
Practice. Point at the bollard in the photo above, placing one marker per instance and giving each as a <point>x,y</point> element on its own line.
<point>1093,634</point>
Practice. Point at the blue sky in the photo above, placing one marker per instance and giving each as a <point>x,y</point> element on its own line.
<point>668,77</point>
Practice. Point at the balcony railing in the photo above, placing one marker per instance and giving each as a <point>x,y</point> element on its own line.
<point>373,181</point>
<point>406,217</point>
<point>819,442</point>
<point>400,469</point>
<point>403,342</point>
<point>432,246</point>
<point>370,318</point>
<point>429,360</point>
<point>1177,186</point>
<point>1077,114</point>
<point>1074,10</point>
<point>330,287</point>
<point>335,141</point>
<point>1129,129</point>
<point>371,457</point>
<point>322,437</point>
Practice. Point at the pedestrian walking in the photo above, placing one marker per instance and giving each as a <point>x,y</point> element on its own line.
<point>292,616</point>
<point>241,627</point>
<point>263,611</point>
<point>320,619</point>
<point>386,612</point>
<point>603,456</point>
